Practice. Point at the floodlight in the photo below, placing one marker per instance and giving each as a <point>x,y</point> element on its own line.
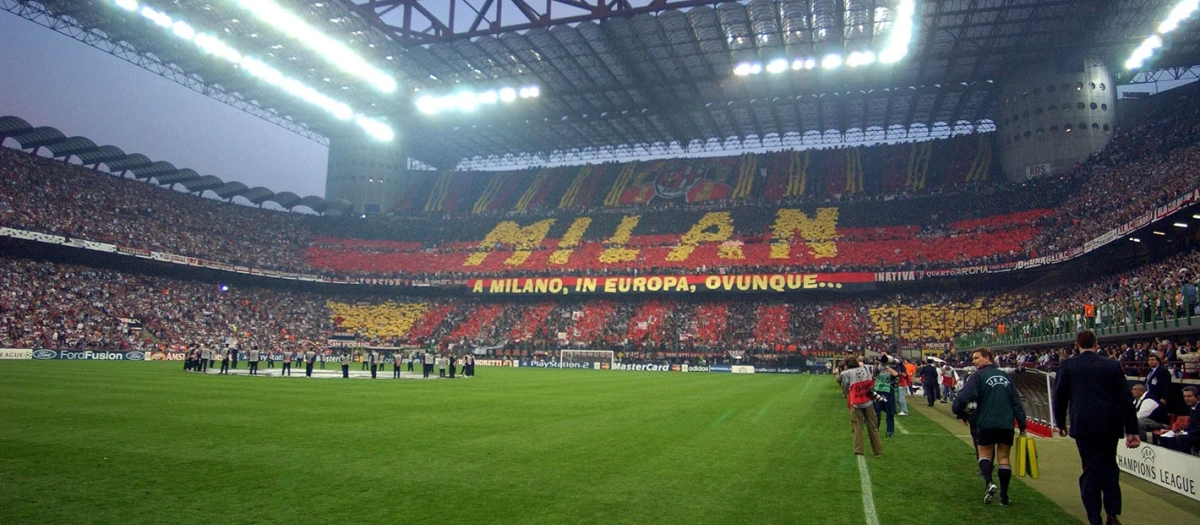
<point>184,31</point>
<point>1180,225</point>
<point>256,68</point>
<point>508,94</point>
<point>1135,239</point>
<point>779,65</point>
<point>428,104</point>
<point>160,19</point>
<point>332,51</point>
<point>465,101</point>
<point>742,69</point>
<point>375,128</point>
<point>487,97</point>
<point>860,58</point>
<point>1156,232</point>
<point>831,61</point>
<point>810,63</point>
<point>756,68</point>
<point>1144,51</point>
<point>1182,11</point>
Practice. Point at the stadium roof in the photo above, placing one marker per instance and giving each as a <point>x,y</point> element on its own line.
<point>165,173</point>
<point>635,77</point>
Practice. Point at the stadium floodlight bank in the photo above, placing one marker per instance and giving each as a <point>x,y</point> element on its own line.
<point>593,359</point>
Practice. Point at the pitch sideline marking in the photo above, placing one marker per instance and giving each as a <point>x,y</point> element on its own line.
<point>901,427</point>
<point>867,497</point>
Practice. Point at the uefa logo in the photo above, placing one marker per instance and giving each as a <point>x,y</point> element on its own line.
<point>1148,455</point>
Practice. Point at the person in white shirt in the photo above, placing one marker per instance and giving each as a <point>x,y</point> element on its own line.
<point>428,363</point>
<point>1145,406</point>
<point>254,355</point>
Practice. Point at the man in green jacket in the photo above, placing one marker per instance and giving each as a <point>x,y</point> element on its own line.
<point>990,401</point>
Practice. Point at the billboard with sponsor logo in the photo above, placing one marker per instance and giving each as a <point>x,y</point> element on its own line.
<point>776,370</point>
<point>16,353</point>
<point>552,363</point>
<point>167,356</point>
<point>644,367</point>
<point>1164,467</point>
<point>90,355</point>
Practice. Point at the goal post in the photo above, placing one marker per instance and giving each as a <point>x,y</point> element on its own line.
<point>592,359</point>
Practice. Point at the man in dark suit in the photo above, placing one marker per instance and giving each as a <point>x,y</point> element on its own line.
<point>1187,438</point>
<point>1092,388</point>
<point>1158,385</point>
<point>929,381</point>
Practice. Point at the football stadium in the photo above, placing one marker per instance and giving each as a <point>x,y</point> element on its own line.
<point>614,261</point>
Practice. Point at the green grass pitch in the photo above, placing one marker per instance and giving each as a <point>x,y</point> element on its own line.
<point>124,443</point>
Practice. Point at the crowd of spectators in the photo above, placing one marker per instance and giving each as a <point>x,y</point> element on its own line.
<point>62,306</point>
<point>48,196</point>
<point>1148,165</point>
<point>1154,291</point>
<point>890,229</point>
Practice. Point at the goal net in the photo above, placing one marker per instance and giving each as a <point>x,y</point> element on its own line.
<point>593,359</point>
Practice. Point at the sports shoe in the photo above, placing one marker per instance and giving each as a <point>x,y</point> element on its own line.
<point>904,413</point>
<point>1004,501</point>
<point>1112,520</point>
<point>989,494</point>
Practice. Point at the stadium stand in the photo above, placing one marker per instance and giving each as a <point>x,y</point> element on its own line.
<point>903,216</point>
<point>941,212</point>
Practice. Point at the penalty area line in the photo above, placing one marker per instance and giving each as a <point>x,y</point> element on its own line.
<point>867,498</point>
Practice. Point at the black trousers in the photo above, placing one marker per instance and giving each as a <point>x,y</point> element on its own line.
<point>1099,485</point>
<point>410,365</point>
<point>426,369</point>
<point>308,369</point>
<point>287,369</point>
<point>452,369</point>
<point>931,392</point>
<point>345,371</point>
<point>253,368</point>
<point>396,372</point>
<point>224,366</point>
<point>374,367</point>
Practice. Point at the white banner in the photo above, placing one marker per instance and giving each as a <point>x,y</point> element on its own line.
<point>16,353</point>
<point>1164,467</point>
<point>743,369</point>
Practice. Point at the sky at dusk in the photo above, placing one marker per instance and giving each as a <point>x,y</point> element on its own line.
<point>49,79</point>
